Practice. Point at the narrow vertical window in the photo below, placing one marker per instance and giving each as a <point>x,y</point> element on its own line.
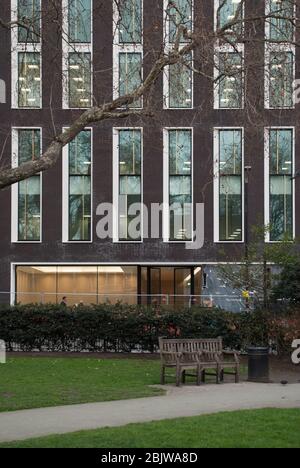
<point>230,185</point>
<point>280,22</point>
<point>29,190</point>
<point>80,21</point>
<point>179,13</point>
<point>29,16</point>
<point>180,184</point>
<point>230,80</point>
<point>80,163</point>
<point>130,184</point>
<point>281,75</point>
<point>130,70</point>
<point>281,184</point>
<point>130,21</point>
<point>181,84</point>
<point>79,79</point>
<point>29,81</point>
<point>230,11</point>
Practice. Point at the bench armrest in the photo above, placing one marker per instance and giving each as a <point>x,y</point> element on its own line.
<point>234,353</point>
<point>168,357</point>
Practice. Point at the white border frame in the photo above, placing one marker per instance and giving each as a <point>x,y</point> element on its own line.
<point>19,47</point>
<point>240,49</point>
<point>166,182</point>
<point>267,178</point>
<point>74,47</point>
<point>65,192</point>
<point>15,187</point>
<point>216,7</point>
<point>276,48</point>
<point>116,182</point>
<point>216,185</point>
<point>267,21</point>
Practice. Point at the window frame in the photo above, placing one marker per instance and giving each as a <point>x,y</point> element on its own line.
<point>277,48</point>
<point>223,50</point>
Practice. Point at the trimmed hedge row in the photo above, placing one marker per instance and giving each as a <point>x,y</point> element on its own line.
<point>124,328</point>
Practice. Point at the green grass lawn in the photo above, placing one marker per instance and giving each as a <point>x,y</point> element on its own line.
<point>268,428</point>
<point>39,382</point>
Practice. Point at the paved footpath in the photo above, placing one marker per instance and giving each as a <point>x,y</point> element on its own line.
<point>184,401</point>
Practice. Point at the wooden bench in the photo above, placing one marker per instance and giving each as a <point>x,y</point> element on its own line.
<point>199,355</point>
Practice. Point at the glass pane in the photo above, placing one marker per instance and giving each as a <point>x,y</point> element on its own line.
<point>281,79</point>
<point>130,69</point>
<point>78,283</point>
<point>80,208</point>
<point>29,14</point>
<point>180,152</point>
<point>117,283</point>
<point>281,207</point>
<point>228,11</point>
<point>230,152</point>
<point>180,84</point>
<point>281,153</point>
<point>80,154</point>
<point>130,151</point>
<point>79,80</point>
<point>29,209</point>
<point>179,13</point>
<point>36,284</point>
<point>130,25</point>
<point>230,80</point>
<point>231,208</point>
<point>281,28</point>
<point>29,81</point>
<point>80,21</point>
<point>28,145</point>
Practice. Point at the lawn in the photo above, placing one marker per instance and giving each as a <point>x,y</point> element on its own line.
<point>39,382</point>
<point>268,428</point>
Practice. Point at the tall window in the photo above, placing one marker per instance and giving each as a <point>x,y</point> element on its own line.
<point>128,49</point>
<point>281,76</point>
<point>178,78</point>
<point>179,183</point>
<point>130,69</point>
<point>130,184</point>
<point>77,53</point>
<point>29,190</point>
<point>79,197</point>
<point>130,21</point>
<point>280,185</point>
<point>29,15</point>
<point>279,24</point>
<point>179,13</point>
<point>26,55</point>
<point>229,185</point>
<point>230,80</point>
<point>80,21</point>
<point>230,11</point>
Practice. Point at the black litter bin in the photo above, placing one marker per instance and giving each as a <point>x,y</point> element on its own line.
<point>258,364</point>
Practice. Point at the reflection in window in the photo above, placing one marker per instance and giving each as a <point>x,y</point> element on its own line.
<point>180,84</point>
<point>281,79</point>
<point>281,27</point>
<point>29,79</point>
<point>230,10</point>
<point>130,22</point>
<point>180,184</point>
<point>29,190</point>
<point>80,187</point>
<point>29,15</point>
<point>180,13</point>
<point>231,82</point>
<point>79,79</point>
<point>281,184</point>
<point>130,69</point>
<point>230,185</point>
<point>80,21</point>
<point>130,156</point>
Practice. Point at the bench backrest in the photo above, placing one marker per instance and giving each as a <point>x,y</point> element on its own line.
<point>210,345</point>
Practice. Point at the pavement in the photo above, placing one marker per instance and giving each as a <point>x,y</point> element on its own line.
<point>178,402</point>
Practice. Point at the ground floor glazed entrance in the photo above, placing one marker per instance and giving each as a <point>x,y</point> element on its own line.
<point>95,284</point>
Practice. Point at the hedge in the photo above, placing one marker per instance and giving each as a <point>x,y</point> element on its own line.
<point>125,328</point>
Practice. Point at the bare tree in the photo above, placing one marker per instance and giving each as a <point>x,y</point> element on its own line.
<point>230,56</point>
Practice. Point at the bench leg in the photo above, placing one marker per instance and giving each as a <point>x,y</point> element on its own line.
<point>162,375</point>
<point>222,375</point>
<point>178,376</point>
<point>218,375</point>
<point>199,375</point>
